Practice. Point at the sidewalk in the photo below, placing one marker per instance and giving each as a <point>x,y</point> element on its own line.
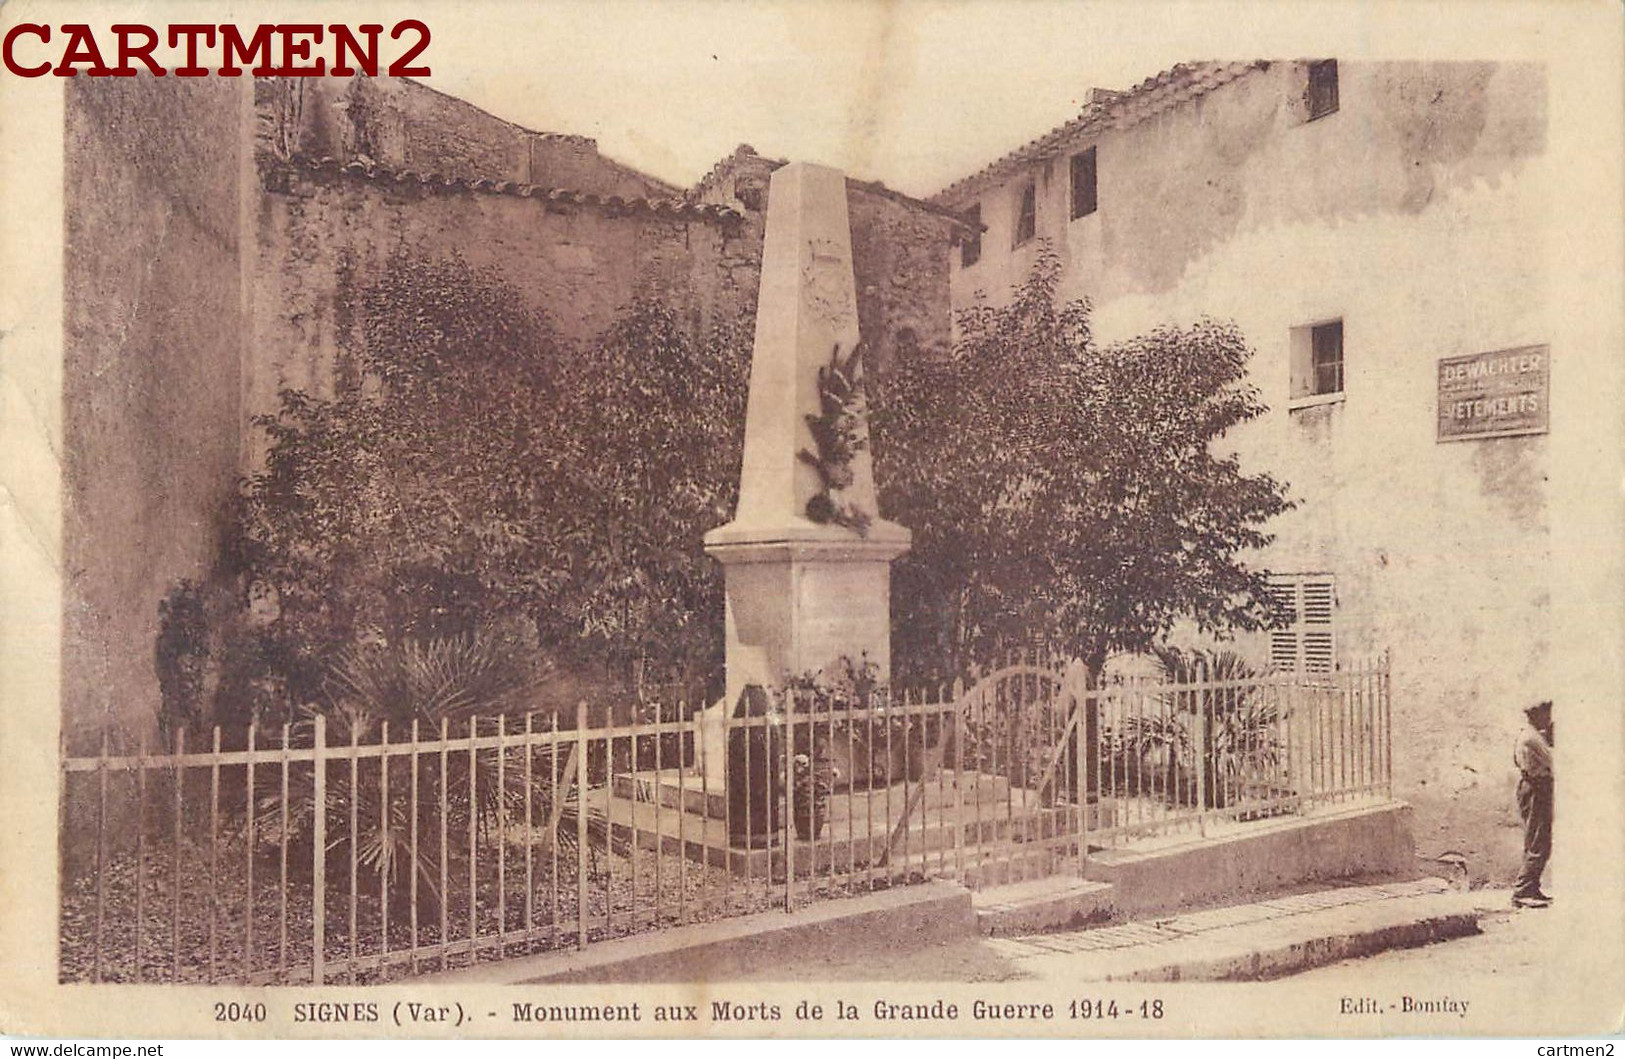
<point>1265,939</point>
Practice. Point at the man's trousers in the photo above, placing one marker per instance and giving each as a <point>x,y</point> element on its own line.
<point>1535,806</point>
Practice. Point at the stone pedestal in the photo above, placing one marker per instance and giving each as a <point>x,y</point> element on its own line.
<point>797,604</point>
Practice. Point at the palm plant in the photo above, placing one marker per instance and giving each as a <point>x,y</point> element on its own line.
<point>481,674</point>
<point>1146,746</point>
<point>1232,727</point>
<point>464,685</point>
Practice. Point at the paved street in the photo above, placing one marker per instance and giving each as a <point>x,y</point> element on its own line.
<point>1513,945</point>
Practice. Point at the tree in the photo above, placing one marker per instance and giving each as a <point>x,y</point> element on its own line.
<point>416,502</point>
<point>473,466</point>
<point>657,420</point>
<point>1065,491</point>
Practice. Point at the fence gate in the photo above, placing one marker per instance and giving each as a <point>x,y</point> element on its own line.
<point>1002,784</point>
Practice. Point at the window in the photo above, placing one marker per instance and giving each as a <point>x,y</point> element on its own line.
<point>1326,357</point>
<point>1307,643</point>
<point>970,250</point>
<point>1084,201</point>
<point>1026,215</point>
<point>1317,361</point>
<point>1322,94</point>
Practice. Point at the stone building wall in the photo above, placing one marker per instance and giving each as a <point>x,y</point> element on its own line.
<point>321,233</point>
<point>153,335</point>
<point>902,285</point>
<point>404,125</point>
<point>1415,214</point>
<point>897,254</point>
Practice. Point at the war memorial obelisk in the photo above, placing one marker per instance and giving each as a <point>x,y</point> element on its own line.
<point>801,593</point>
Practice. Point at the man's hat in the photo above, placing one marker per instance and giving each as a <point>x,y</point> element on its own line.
<point>1544,704</point>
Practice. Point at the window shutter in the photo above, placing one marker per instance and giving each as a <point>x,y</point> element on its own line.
<point>1284,641</point>
<point>1307,644</point>
<point>1026,215</point>
<point>1316,617</point>
<point>1084,197</point>
<point>970,251</point>
<point>1322,90</point>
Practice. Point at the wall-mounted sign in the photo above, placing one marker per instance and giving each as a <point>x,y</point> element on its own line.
<point>1494,395</point>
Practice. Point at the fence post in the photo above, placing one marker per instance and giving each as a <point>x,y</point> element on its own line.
<point>1197,675</point>
<point>1386,690</point>
<point>102,856</point>
<point>581,823</point>
<point>248,858</point>
<point>175,864</point>
<point>787,705</point>
<point>141,851</point>
<point>1079,679</point>
<point>958,730</point>
<point>318,868</point>
<point>214,853</point>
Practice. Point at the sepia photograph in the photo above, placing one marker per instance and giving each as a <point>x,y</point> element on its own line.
<point>831,519</point>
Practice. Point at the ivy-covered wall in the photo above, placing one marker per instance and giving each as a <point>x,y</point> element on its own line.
<point>320,234</point>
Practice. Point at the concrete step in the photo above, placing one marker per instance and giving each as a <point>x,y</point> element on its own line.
<point>1011,865</point>
<point>943,839</point>
<point>1006,858</point>
<point>960,792</point>
<point>1034,906</point>
<point>672,789</point>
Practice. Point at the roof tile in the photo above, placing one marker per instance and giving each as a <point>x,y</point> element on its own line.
<point>1178,84</point>
<point>673,207</point>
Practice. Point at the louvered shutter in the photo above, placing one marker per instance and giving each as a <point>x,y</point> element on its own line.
<point>1307,644</point>
<point>1316,625</point>
<point>1284,641</point>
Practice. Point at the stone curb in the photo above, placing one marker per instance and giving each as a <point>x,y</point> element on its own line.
<point>1264,940</point>
<point>923,914</point>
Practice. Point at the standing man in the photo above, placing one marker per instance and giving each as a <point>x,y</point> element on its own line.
<point>1533,756</point>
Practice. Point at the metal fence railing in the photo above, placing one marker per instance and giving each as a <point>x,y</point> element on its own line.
<point>326,853</point>
<point>1205,751</point>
